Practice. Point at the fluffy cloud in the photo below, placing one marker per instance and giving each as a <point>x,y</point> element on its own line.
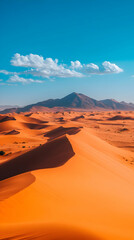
<point>43,67</point>
<point>60,72</point>
<point>5,72</point>
<point>76,64</point>
<point>111,67</point>
<point>92,68</point>
<point>48,68</point>
<point>31,60</point>
<point>51,68</point>
<point>16,78</point>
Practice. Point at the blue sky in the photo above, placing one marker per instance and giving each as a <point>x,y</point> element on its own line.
<point>99,35</point>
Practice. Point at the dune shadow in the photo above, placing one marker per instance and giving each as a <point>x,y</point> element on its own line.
<point>35,126</point>
<point>111,123</point>
<point>77,118</point>
<point>12,132</point>
<point>120,117</point>
<point>60,131</point>
<point>50,155</point>
<point>6,118</point>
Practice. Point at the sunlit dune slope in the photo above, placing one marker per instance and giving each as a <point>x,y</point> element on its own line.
<point>93,190</point>
<point>47,231</point>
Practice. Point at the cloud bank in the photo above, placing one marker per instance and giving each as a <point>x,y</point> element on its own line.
<point>16,78</point>
<point>37,66</point>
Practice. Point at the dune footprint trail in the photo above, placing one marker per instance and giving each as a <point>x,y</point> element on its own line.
<point>84,191</point>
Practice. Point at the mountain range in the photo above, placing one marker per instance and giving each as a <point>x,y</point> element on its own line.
<point>74,100</point>
<point>3,107</point>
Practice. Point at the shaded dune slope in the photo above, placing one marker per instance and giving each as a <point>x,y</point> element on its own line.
<point>35,126</point>
<point>120,117</point>
<point>77,118</point>
<point>6,118</point>
<point>50,155</point>
<point>60,131</point>
<point>12,132</point>
<point>34,120</point>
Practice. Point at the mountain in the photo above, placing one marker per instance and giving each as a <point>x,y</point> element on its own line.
<point>113,104</point>
<point>74,101</point>
<point>3,107</point>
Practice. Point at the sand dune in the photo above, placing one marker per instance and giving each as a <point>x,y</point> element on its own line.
<point>6,118</point>
<point>50,232</point>
<point>77,118</point>
<point>28,115</point>
<point>60,131</point>
<point>6,126</point>
<point>120,117</point>
<point>13,132</point>
<point>49,155</point>
<point>35,126</point>
<point>76,185</point>
<point>15,184</point>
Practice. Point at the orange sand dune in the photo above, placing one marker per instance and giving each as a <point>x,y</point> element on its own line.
<point>47,231</point>
<point>13,132</point>
<point>6,118</point>
<point>35,126</point>
<point>120,117</point>
<point>76,118</point>
<point>49,155</point>
<point>60,131</point>
<point>8,125</point>
<point>8,187</point>
<point>75,186</point>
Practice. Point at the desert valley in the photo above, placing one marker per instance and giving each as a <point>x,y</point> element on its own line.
<point>67,175</point>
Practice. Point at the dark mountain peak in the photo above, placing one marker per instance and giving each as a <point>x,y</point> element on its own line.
<point>72,95</point>
<point>76,101</point>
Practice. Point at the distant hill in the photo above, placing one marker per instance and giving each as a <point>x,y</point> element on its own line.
<point>3,107</point>
<point>74,101</point>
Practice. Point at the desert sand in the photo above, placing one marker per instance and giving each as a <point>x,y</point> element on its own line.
<point>67,175</point>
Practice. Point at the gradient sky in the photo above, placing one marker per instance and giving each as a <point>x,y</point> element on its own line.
<point>89,31</point>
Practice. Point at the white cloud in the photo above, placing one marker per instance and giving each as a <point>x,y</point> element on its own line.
<point>16,78</point>
<point>5,72</point>
<point>59,72</point>
<point>76,64</point>
<point>31,60</point>
<point>111,67</point>
<point>43,67</point>
<point>91,68</point>
<point>48,68</point>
